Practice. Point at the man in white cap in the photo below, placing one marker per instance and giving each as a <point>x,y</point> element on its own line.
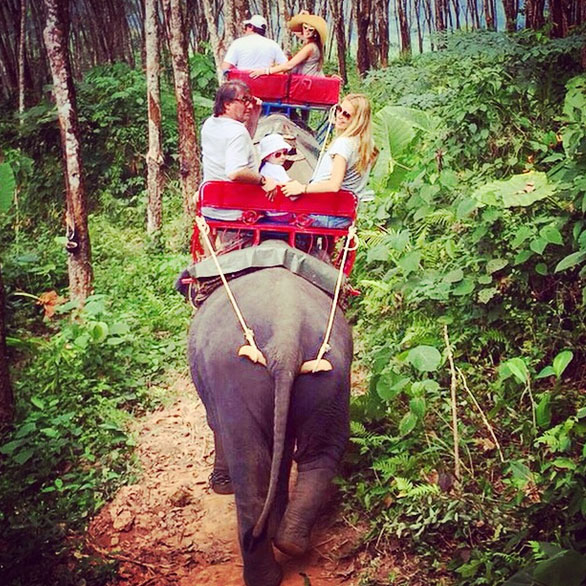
<point>253,50</point>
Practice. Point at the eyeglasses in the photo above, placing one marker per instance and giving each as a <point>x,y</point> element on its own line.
<point>246,100</point>
<point>307,28</point>
<point>344,113</point>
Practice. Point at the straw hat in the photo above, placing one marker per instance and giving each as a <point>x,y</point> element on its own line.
<point>271,144</point>
<point>317,22</point>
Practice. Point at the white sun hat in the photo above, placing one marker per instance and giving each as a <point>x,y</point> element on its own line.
<point>257,21</point>
<point>271,143</point>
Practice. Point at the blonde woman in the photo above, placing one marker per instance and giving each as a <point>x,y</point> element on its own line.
<point>309,59</point>
<point>347,162</point>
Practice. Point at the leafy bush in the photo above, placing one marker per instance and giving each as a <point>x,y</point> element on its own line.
<point>475,253</point>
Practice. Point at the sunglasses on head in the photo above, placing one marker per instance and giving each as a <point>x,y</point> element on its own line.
<point>344,113</point>
<point>246,100</point>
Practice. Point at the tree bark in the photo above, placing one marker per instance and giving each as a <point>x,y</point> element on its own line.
<point>489,11</point>
<point>404,28</point>
<point>337,8</point>
<point>560,17</point>
<point>511,8</point>
<point>218,48</point>
<point>362,27</point>
<point>154,155</point>
<point>78,244</point>
<point>189,168</point>
<point>6,395</point>
<point>21,44</point>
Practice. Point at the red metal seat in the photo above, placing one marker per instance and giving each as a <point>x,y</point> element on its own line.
<point>253,202</point>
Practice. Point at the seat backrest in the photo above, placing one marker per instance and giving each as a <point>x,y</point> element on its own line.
<point>230,195</point>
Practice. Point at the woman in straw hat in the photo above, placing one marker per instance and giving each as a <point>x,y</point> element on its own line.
<point>310,58</point>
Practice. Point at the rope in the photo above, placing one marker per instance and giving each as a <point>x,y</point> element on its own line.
<point>325,347</point>
<point>248,333</point>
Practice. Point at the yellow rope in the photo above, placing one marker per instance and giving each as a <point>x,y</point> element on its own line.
<point>325,347</point>
<point>248,333</point>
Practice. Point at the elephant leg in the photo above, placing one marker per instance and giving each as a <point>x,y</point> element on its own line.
<point>220,481</point>
<point>310,492</point>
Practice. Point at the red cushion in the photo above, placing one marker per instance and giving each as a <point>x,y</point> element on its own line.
<point>265,87</point>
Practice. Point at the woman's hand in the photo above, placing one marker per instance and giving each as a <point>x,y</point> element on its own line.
<point>293,188</point>
<point>257,73</point>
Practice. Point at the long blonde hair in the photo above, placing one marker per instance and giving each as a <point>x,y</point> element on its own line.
<point>361,127</point>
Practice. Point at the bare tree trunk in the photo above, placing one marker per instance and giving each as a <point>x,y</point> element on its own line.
<point>188,150</point>
<point>489,10</point>
<point>419,27</point>
<point>560,17</point>
<point>404,28</point>
<point>78,245</point>
<point>218,48</point>
<point>21,42</point>
<point>286,42</point>
<point>511,8</point>
<point>337,8</point>
<point>154,156</point>
<point>362,27</point>
<point>6,396</point>
<point>229,24</point>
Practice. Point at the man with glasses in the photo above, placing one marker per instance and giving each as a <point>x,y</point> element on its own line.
<point>226,143</point>
<point>253,50</point>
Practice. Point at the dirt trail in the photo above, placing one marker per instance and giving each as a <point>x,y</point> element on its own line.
<point>169,528</point>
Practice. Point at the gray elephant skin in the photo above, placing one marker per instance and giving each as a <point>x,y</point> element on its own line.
<point>263,418</point>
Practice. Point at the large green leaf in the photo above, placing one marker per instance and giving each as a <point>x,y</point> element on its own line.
<point>424,358</point>
<point>570,261</point>
<point>520,190</point>
<point>7,186</point>
<point>395,129</point>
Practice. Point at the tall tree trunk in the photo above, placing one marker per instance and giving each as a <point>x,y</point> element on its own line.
<point>284,17</point>
<point>511,9</point>
<point>154,156</point>
<point>6,396</point>
<point>229,23</point>
<point>21,41</point>
<point>337,8</point>
<point>362,26</point>
<point>78,245</point>
<point>417,9</point>
<point>188,150</point>
<point>440,15</point>
<point>489,10</point>
<point>560,17</point>
<point>405,33</point>
<point>218,48</point>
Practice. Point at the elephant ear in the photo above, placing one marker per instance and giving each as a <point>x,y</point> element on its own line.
<point>311,366</point>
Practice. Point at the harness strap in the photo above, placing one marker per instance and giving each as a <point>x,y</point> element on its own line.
<point>250,351</point>
<point>319,364</point>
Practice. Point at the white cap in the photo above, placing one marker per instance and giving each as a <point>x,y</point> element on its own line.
<point>271,143</point>
<point>257,21</point>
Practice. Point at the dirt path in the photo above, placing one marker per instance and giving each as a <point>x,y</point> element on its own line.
<point>169,528</point>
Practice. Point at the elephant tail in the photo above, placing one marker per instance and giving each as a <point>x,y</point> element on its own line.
<point>283,386</point>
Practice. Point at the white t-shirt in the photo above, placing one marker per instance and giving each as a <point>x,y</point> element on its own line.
<point>226,146</point>
<point>254,52</point>
<point>276,172</point>
<point>347,148</point>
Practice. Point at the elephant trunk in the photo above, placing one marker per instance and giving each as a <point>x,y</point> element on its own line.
<point>283,385</point>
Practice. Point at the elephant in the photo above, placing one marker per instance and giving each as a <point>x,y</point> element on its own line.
<point>265,416</point>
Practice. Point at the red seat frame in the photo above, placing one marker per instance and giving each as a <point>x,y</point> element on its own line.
<point>253,201</point>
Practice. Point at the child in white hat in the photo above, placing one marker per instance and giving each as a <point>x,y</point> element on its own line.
<point>273,153</point>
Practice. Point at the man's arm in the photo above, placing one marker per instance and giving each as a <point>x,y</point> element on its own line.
<point>246,175</point>
<point>252,121</point>
<point>226,66</point>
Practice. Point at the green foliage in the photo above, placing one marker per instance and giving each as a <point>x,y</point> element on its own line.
<point>483,238</point>
<point>79,377</point>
